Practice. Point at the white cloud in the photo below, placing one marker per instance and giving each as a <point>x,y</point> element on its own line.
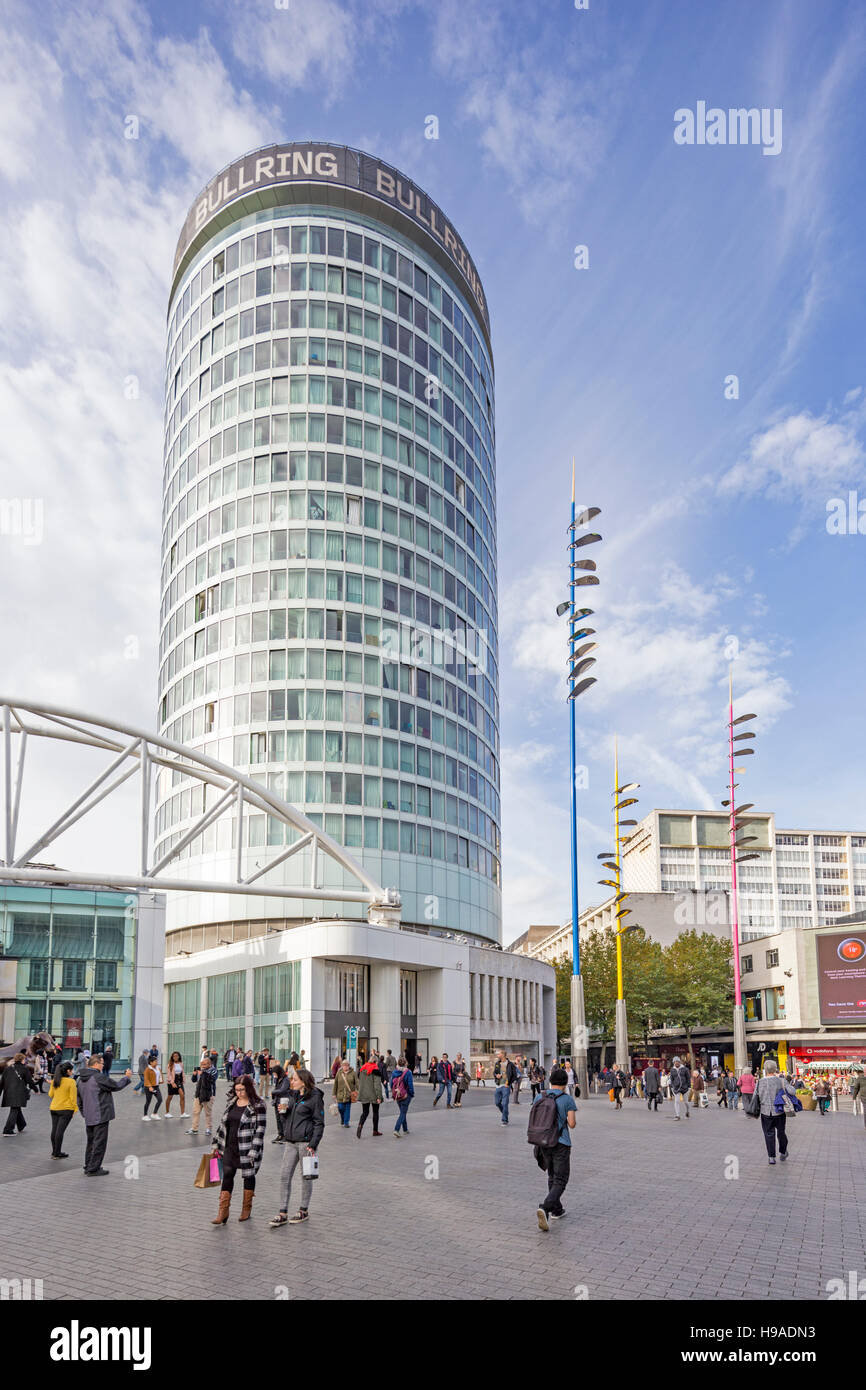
<point>31,87</point>
<point>800,456</point>
<point>310,43</point>
<point>547,129</point>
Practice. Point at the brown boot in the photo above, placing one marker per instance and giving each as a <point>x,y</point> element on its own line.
<point>222,1215</point>
<point>247,1208</point>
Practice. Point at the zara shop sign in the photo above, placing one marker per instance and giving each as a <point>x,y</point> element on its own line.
<point>337,164</point>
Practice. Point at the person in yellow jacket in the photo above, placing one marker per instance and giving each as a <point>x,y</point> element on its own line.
<point>64,1103</point>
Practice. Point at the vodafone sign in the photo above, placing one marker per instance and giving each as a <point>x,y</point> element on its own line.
<point>842,977</point>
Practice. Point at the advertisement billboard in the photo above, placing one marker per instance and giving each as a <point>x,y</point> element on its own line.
<point>842,977</point>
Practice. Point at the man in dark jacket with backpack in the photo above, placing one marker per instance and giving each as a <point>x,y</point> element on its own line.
<point>551,1118</point>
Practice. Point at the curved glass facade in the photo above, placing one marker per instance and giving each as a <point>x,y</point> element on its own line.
<point>329,614</point>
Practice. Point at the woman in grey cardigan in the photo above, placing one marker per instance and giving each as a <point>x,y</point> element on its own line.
<point>772,1123</point>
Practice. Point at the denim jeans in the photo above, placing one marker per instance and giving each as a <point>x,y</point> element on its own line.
<point>733,1099</point>
<point>502,1097</point>
<point>403,1106</point>
<point>443,1085</point>
<point>345,1109</point>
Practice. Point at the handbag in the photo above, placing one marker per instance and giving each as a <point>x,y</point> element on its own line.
<point>353,1096</point>
<point>210,1171</point>
<point>783,1104</point>
<point>752,1104</point>
<point>333,1108</point>
<point>611,1095</point>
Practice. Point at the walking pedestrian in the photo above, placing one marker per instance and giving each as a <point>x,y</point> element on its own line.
<point>228,1060</point>
<point>698,1087</point>
<point>389,1062</point>
<point>345,1091</point>
<point>770,1086</point>
<point>617,1083</point>
<point>40,1071</point>
<point>174,1086</point>
<point>445,1077</point>
<point>205,1090</point>
<point>479,1075</point>
<point>731,1089</point>
<point>433,1070</point>
<point>403,1091</point>
<point>279,1089</point>
<point>823,1092</point>
<point>96,1103</point>
<point>303,1127</point>
<point>746,1084</point>
<point>461,1079</point>
<point>503,1080</point>
<point>651,1086</point>
<point>553,1122</point>
<point>518,1077</point>
<point>142,1065</point>
<point>16,1083</point>
<point>858,1089</point>
<point>370,1094</point>
<point>107,1059</point>
<point>240,1139</point>
<point>152,1082</point>
<point>721,1091</point>
<point>680,1083</point>
<point>63,1097</point>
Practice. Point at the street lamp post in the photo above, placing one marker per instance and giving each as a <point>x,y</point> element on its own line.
<point>581,574</point>
<point>614,863</point>
<point>741,1056</point>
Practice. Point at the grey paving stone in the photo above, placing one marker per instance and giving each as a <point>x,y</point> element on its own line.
<point>632,1231</point>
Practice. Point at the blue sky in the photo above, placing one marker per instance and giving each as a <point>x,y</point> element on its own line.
<point>555,130</point>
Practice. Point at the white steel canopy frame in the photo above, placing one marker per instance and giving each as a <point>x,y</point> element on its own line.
<point>224,789</point>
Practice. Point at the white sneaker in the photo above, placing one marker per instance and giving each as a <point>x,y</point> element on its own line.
<point>145,1118</point>
<point>167,1116</point>
<point>156,1117</point>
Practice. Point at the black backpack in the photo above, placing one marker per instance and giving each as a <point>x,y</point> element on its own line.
<point>545,1124</point>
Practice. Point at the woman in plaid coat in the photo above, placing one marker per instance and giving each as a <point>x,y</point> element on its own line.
<point>240,1140</point>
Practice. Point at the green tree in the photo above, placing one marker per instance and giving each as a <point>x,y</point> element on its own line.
<point>699,982</point>
<point>645,983</point>
<point>562,966</point>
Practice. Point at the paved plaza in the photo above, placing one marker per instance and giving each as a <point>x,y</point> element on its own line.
<point>652,1212</point>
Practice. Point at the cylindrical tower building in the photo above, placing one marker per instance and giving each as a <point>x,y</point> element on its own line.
<point>329,613</point>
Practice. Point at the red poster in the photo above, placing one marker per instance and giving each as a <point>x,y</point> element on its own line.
<point>74,1032</point>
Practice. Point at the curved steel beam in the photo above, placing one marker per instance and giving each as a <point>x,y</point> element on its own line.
<point>147,750</point>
